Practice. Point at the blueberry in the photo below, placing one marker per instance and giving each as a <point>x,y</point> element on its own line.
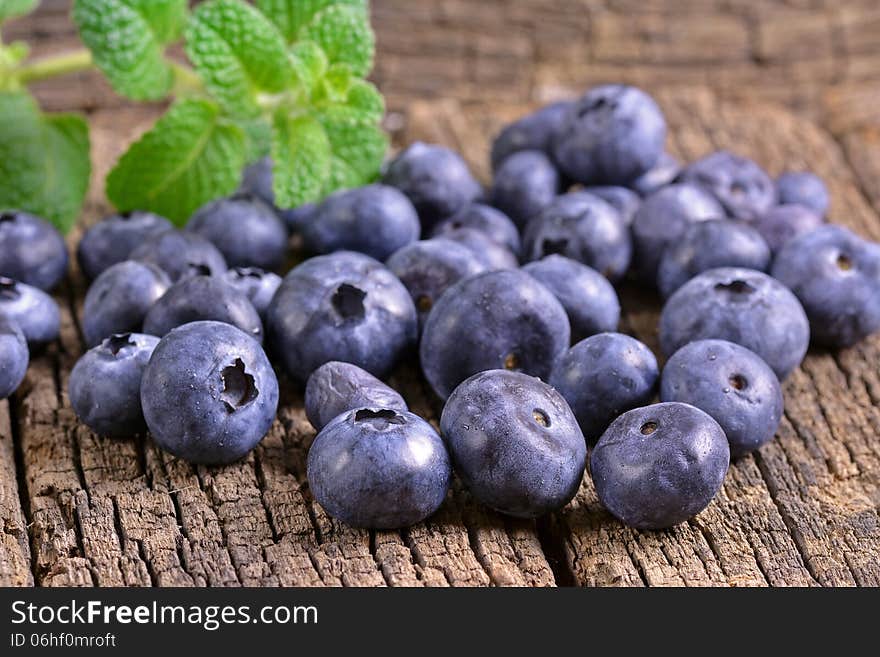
<point>743,306</point>
<point>256,180</point>
<point>337,387</point>
<point>209,393</point>
<point>257,285</point>
<point>427,268</point>
<point>730,383</point>
<point>105,384</point>
<point>296,218</point>
<point>836,276</point>
<point>611,135</point>
<point>534,131</point>
<point>501,319</point>
<point>119,299</point>
<point>489,253</point>
<point>112,240</point>
<point>32,251</point>
<point>662,218</point>
<point>485,219</point>
<point>664,172</point>
<point>343,306</point>
<point>624,200</point>
<point>180,254</point>
<point>582,227</point>
<point>202,298</point>
<point>603,376</point>
<point>740,185</point>
<point>658,466</point>
<point>803,188</point>
<point>379,468</point>
<point>34,311</point>
<point>524,184</point>
<point>782,223</point>
<point>14,356</point>
<point>708,245</point>
<point>436,180</point>
<point>515,443</point>
<point>246,230</point>
<point>588,298</point>
<point>376,220</point>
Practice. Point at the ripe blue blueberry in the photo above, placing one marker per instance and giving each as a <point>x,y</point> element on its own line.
<point>611,135</point>
<point>32,250</point>
<point>337,387</point>
<point>624,200</point>
<point>429,267</point>
<point>836,276</point>
<point>246,230</point>
<point>709,245</point>
<point>296,218</point>
<point>730,383</point>
<point>202,298</point>
<point>14,356</point>
<point>496,320</point>
<point>105,384</point>
<point>209,393</point>
<point>119,299</point>
<point>34,311</point>
<point>740,185</point>
<point>805,189</point>
<point>662,218</point>
<point>379,468</point>
<point>782,223</point>
<point>490,254</point>
<point>603,376</point>
<point>436,180</point>
<point>112,240</point>
<point>343,306</point>
<point>534,131</point>
<point>589,299</point>
<point>582,227</point>
<point>742,306</point>
<point>257,285</point>
<point>180,254</point>
<point>660,465</point>
<point>256,180</point>
<point>524,184</point>
<point>664,172</point>
<point>376,220</point>
<point>485,219</point>
<point>515,443</point>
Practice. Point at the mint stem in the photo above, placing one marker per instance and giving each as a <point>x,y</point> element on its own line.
<point>50,67</point>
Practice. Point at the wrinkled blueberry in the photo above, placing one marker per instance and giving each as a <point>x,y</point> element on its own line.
<point>663,173</point>
<point>743,306</point>
<point>659,465</point>
<point>496,320</point>
<point>257,285</point>
<point>180,254</point>
<point>534,131</point>
<point>120,298</point>
<point>588,298</point>
<point>803,188</point>
<point>524,184</point>
<point>603,376</point>
<point>32,250</point>
<point>490,254</point>
<point>730,383</point>
<point>112,240</point>
<point>740,185</point>
<point>14,356</point>
<point>105,384</point>
<point>782,223</point>
<point>624,200</point>
<point>379,468</point>
<point>256,180</point>
<point>485,219</point>
<point>836,276</point>
<point>611,135</point>
<point>343,306</point>
<point>515,443</point>
<point>34,311</point>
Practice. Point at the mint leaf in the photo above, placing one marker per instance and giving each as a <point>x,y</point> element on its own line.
<point>259,138</point>
<point>344,33</point>
<point>358,151</point>
<point>309,65</point>
<point>11,8</point>
<point>301,159</point>
<point>238,53</point>
<point>292,15</point>
<point>360,103</point>
<point>189,157</point>
<point>127,39</point>
<point>44,160</point>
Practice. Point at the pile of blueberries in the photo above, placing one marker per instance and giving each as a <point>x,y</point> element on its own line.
<point>527,358</point>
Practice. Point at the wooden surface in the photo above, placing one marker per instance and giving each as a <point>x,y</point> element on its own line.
<point>84,510</point>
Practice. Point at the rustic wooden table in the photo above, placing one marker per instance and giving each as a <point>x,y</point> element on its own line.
<point>78,509</point>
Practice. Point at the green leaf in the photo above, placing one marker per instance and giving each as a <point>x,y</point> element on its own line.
<point>127,40</point>
<point>259,137</point>
<point>238,53</point>
<point>44,160</point>
<point>11,8</point>
<point>301,159</point>
<point>309,65</point>
<point>358,151</point>
<point>344,33</point>
<point>189,157</point>
<point>362,103</point>
<point>292,15</point>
